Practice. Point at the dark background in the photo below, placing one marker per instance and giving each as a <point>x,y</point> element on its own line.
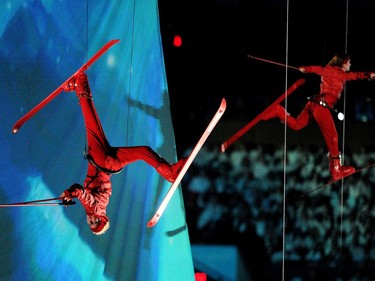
<point>212,63</point>
<point>217,35</point>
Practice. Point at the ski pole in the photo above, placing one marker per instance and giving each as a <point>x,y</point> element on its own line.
<point>38,204</point>
<point>42,202</point>
<point>272,62</point>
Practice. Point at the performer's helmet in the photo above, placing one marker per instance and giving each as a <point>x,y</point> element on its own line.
<point>101,226</point>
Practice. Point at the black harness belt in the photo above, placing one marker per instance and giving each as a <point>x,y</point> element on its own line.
<point>107,171</point>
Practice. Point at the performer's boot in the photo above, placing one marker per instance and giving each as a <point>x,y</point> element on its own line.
<point>80,85</point>
<point>170,171</point>
<point>276,111</point>
<point>176,167</point>
<point>337,170</point>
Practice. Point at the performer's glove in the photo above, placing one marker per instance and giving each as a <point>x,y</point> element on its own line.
<point>369,76</point>
<point>72,192</point>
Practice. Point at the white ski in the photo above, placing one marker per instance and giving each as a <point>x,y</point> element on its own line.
<point>187,164</point>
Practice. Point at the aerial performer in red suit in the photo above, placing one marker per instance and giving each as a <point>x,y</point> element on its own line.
<point>319,107</point>
<point>105,160</point>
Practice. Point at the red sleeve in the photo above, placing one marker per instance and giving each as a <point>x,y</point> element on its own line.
<point>332,70</point>
<point>319,70</point>
<point>356,75</point>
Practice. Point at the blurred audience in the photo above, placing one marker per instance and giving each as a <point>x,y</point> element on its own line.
<point>252,191</point>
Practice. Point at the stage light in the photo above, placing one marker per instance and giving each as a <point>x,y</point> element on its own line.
<point>177,41</point>
<point>200,276</point>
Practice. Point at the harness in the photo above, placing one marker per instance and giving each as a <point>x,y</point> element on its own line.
<point>322,102</point>
<point>104,170</point>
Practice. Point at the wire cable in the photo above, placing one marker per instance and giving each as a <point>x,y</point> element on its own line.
<point>343,146</point>
<point>285,140</point>
<point>130,71</point>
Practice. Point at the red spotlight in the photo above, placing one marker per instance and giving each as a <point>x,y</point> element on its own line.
<point>177,41</point>
<point>200,276</point>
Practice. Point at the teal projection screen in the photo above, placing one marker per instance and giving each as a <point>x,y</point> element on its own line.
<point>42,43</point>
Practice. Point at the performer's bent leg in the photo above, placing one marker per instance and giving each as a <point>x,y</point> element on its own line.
<point>294,123</point>
<point>301,121</point>
<point>126,155</point>
<point>103,154</point>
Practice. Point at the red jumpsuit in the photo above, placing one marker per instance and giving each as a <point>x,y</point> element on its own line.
<point>105,160</point>
<point>97,185</point>
<point>333,79</point>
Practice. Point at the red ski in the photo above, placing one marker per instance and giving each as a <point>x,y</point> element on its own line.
<point>188,162</point>
<point>333,181</point>
<point>56,92</point>
<point>253,122</point>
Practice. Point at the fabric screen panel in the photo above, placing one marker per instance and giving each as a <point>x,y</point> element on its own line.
<point>42,43</point>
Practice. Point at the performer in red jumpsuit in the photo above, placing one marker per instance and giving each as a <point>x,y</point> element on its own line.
<point>333,78</point>
<point>105,160</point>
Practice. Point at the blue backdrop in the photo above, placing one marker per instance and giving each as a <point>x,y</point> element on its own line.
<point>42,43</point>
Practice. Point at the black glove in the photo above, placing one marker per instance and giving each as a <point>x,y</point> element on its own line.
<point>72,192</point>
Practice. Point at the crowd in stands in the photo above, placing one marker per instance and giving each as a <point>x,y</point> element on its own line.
<point>260,196</point>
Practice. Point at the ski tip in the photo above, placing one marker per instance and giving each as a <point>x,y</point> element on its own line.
<point>114,41</point>
<point>154,220</point>
<point>15,130</point>
<point>300,82</point>
<point>152,223</point>
<point>223,147</point>
<point>223,105</point>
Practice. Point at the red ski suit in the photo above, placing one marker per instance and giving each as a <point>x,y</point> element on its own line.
<point>333,79</point>
<point>104,161</point>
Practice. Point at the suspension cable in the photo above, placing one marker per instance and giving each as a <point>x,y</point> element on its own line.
<point>285,139</point>
<point>343,143</point>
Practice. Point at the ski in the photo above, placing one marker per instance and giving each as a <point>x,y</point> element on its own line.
<point>259,117</point>
<point>333,181</point>
<point>56,92</point>
<point>187,164</point>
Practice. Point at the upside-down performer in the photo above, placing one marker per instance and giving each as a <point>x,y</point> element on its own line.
<point>105,160</point>
<point>319,107</point>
